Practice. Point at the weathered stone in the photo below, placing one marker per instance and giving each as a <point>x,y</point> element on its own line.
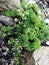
<point>46,20</point>
<point>6,20</point>
<point>47,0</point>
<point>1,40</point>
<point>41,56</point>
<point>0,24</point>
<point>9,4</point>
<point>47,42</point>
<point>12,62</point>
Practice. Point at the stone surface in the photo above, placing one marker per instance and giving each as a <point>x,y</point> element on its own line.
<point>47,42</point>
<point>47,0</point>
<point>46,20</point>
<point>6,55</point>
<point>9,4</point>
<point>8,21</point>
<point>41,56</point>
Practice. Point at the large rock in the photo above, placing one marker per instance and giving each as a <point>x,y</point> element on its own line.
<point>8,21</point>
<point>9,4</point>
<point>41,56</point>
<point>47,0</point>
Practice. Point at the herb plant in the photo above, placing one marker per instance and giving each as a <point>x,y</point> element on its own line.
<point>29,30</point>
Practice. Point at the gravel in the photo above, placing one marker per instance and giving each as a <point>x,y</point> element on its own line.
<point>6,55</point>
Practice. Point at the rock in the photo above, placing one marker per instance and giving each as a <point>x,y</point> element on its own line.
<point>0,24</point>
<point>12,62</point>
<point>47,42</point>
<point>41,56</point>
<point>1,63</point>
<point>8,21</point>
<point>1,40</point>
<point>47,12</point>
<point>47,0</point>
<point>9,5</point>
<point>31,2</point>
<point>46,21</point>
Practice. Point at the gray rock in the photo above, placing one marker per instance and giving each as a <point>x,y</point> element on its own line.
<point>12,62</point>
<point>6,51</point>
<point>47,12</point>
<point>6,20</point>
<point>47,0</point>
<point>47,43</point>
<point>47,21</point>
<point>0,24</point>
<point>1,40</point>
<point>10,5</point>
<point>41,56</point>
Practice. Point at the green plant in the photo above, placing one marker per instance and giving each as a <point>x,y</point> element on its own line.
<point>29,29</point>
<point>13,13</point>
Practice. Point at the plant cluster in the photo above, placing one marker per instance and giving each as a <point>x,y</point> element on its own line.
<point>28,31</point>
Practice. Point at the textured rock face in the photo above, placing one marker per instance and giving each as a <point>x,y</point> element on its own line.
<point>47,0</point>
<point>41,56</point>
<point>6,20</point>
<point>9,4</point>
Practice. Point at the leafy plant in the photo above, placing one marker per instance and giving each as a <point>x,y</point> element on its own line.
<point>12,13</point>
<point>28,31</point>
